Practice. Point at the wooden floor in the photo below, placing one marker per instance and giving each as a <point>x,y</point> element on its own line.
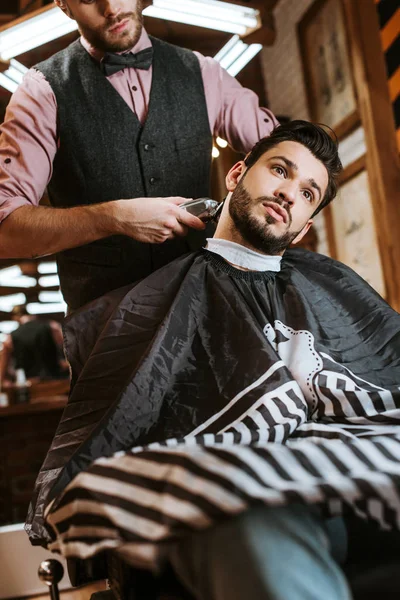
<point>82,593</point>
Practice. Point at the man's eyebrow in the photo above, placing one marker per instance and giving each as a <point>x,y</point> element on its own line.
<point>315,185</point>
<point>288,162</point>
<point>293,166</point>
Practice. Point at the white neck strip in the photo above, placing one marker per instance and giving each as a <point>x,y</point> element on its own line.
<point>239,256</point>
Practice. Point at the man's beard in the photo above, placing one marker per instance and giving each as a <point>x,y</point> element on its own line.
<point>127,40</point>
<point>252,230</point>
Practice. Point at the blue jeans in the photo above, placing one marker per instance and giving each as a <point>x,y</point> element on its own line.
<point>286,553</point>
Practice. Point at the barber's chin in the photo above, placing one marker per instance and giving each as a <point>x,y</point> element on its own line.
<point>122,40</point>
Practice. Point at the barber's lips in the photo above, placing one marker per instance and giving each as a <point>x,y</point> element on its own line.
<point>277,212</point>
<point>119,27</point>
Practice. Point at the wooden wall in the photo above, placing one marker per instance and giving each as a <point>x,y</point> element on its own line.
<point>389,24</point>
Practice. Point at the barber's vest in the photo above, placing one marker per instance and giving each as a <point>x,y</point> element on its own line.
<point>106,154</point>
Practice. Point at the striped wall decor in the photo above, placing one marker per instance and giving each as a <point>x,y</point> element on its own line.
<point>389,22</point>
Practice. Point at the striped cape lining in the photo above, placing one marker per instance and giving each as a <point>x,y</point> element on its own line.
<point>135,502</point>
<point>262,447</point>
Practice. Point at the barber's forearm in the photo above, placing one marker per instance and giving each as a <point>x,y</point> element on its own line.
<point>30,232</point>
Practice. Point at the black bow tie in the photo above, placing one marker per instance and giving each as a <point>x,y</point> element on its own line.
<point>112,63</point>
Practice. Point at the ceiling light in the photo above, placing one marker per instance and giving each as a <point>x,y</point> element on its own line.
<point>9,273</point>
<point>7,303</point>
<point>212,14</point>
<point>27,34</point>
<point>221,143</point>
<point>47,267</point>
<point>8,326</point>
<point>50,23</point>
<point>49,281</point>
<point>16,71</point>
<point>242,15</point>
<point>50,297</point>
<point>12,277</point>
<point>38,308</point>
<point>23,282</point>
<point>228,53</point>
<point>215,152</point>
<point>242,60</point>
<point>7,83</point>
<point>12,77</point>
<point>236,54</point>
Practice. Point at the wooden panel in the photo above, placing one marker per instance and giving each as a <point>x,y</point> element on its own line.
<point>355,230</point>
<point>389,22</point>
<point>6,17</point>
<point>29,5</point>
<point>26,432</point>
<point>9,6</point>
<point>330,231</point>
<point>382,155</point>
<point>323,39</point>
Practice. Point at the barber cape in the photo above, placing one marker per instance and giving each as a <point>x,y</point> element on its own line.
<point>204,389</point>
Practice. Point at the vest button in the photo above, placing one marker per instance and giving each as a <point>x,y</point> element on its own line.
<point>147,147</point>
<point>152,180</point>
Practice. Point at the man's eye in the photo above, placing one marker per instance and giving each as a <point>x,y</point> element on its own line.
<point>280,170</point>
<point>308,195</point>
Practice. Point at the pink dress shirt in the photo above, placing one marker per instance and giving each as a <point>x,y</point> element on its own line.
<point>29,139</point>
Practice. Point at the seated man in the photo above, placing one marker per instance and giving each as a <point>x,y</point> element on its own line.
<point>227,407</point>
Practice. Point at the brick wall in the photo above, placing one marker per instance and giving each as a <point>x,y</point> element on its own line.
<point>283,74</point>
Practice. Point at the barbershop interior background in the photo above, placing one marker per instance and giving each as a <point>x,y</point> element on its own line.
<point>335,62</point>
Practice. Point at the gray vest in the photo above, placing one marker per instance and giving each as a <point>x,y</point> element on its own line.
<point>106,154</point>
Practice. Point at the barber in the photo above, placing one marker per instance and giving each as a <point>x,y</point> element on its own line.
<point>119,127</point>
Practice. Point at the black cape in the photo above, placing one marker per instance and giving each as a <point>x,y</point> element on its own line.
<point>203,389</point>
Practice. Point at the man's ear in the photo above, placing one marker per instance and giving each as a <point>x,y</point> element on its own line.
<point>303,232</point>
<point>62,4</point>
<point>234,175</point>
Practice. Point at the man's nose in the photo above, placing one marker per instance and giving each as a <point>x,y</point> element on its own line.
<point>111,8</point>
<point>286,193</point>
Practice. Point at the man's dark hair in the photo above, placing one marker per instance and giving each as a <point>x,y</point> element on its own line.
<point>319,143</point>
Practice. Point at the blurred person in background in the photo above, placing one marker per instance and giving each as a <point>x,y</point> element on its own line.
<point>36,347</point>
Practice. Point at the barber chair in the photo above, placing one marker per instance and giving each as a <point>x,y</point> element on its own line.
<point>373,575</point>
<point>368,581</point>
<point>124,583</point>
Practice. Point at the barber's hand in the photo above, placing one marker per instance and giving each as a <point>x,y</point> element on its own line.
<point>154,220</point>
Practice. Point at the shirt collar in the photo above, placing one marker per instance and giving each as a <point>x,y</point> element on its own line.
<point>142,43</point>
<point>239,256</point>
